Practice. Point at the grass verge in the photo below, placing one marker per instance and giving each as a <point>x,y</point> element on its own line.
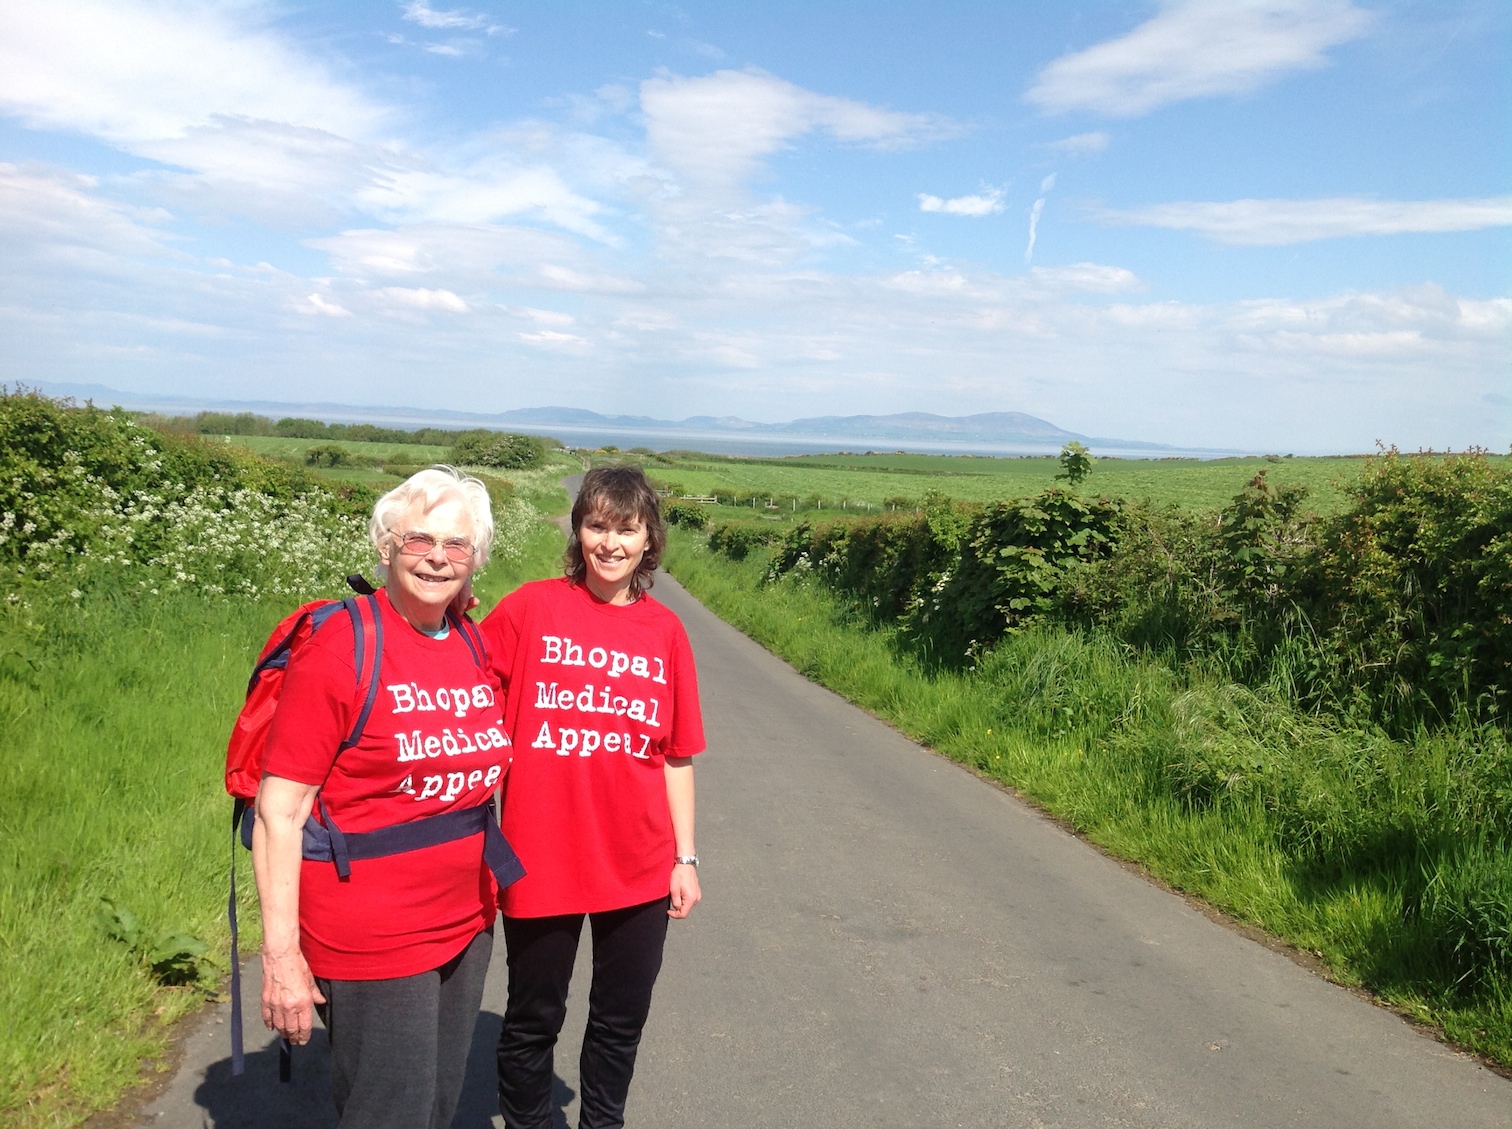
<point>115,725</point>
<point>113,718</point>
<point>1374,855</point>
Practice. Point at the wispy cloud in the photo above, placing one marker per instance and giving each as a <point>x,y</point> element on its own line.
<point>1037,210</point>
<point>1080,144</point>
<point>455,19</point>
<point>128,72</point>
<point>1197,49</point>
<point>315,304</point>
<point>981,204</point>
<point>422,299</point>
<point>1279,222</point>
<point>715,131</point>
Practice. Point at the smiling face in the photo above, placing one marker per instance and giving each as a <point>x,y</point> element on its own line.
<point>612,550</point>
<point>420,587</point>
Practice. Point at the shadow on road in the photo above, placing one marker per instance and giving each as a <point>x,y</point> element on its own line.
<point>257,1100</point>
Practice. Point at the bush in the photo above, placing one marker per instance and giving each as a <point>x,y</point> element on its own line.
<point>327,455</point>
<point>498,449</point>
<point>957,577</point>
<point>86,494</point>
<point>736,539</point>
<point>1396,609</point>
<point>689,515</point>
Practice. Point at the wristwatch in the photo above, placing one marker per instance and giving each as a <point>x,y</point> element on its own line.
<point>686,860</point>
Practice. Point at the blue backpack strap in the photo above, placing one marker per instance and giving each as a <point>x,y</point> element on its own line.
<point>471,636</point>
<point>324,842</point>
<point>278,655</point>
<point>367,659</point>
<point>325,834</point>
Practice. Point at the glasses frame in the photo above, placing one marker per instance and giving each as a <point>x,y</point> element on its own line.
<point>451,546</point>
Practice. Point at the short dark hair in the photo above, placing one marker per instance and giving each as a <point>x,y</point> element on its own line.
<point>620,493</point>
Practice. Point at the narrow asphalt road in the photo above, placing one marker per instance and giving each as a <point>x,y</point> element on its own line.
<point>888,941</point>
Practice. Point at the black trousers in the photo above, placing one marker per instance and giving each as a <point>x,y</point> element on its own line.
<point>399,1047</point>
<point>627,955</point>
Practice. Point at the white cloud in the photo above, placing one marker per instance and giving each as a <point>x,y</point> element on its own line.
<point>982,204</point>
<point>491,188</point>
<point>456,19</point>
<point>716,131</point>
<point>48,210</point>
<point>1279,222</point>
<point>540,317</point>
<point>553,339</point>
<point>1197,49</point>
<point>1095,278</point>
<point>129,71</point>
<point>1080,144</point>
<point>1035,212</point>
<point>456,256</point>
<point>422,299</point>
<point>315,304</point>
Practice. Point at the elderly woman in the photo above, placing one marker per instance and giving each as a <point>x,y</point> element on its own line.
<point>378,910</point>
<point>601,691</point>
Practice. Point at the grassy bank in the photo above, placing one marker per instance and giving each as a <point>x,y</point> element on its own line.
<point>143,574</point>
<point>116,721</point>
<point>1379,856</point>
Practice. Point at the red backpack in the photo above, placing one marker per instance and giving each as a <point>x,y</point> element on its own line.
<point>249,736</point>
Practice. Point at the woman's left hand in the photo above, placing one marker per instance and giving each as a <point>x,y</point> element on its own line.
<point>685,892</point>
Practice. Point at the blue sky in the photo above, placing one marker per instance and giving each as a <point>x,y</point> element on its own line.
<point>1267,224</point>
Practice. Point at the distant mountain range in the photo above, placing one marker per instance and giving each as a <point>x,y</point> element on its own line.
<point>998,427</point>
<point>987,432</point>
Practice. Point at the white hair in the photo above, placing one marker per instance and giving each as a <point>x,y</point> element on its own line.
<point>430,487</point>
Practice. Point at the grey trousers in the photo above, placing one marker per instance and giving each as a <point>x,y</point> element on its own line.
<point>399,1047</point>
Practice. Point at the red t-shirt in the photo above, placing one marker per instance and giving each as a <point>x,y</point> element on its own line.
<point>596,695</point>
<point>434,742</point>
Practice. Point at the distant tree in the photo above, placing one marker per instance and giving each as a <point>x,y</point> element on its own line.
<point>497,449</point>
<point>291,427</point>
<point>1076,463</point>
<point>224,423</point>
<point>327,455</point>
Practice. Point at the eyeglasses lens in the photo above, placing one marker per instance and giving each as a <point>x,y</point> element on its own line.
<point>420,544</point>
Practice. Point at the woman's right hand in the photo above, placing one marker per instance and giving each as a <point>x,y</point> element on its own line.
<point>289,995</point>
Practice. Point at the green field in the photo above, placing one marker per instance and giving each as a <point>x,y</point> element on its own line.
<point>294,449</point>
<point>873,481</point>
<point>539,486</point>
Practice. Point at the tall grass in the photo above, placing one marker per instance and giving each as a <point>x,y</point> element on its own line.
<point>1386,858</point>
<point>143,575</point>
<point>115,720</point>
<point>115,711</point>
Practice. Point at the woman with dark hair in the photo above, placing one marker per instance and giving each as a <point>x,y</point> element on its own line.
<point>602,697</point>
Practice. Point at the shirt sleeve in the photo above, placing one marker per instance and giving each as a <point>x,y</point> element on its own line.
<point>315,709</point>
<point>687,736</point>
